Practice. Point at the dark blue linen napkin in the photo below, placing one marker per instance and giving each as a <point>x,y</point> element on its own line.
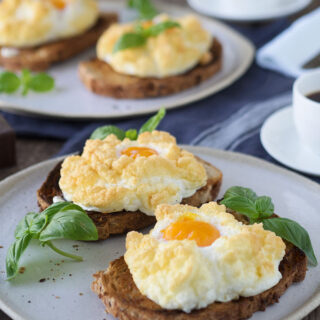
<point>251,99</point>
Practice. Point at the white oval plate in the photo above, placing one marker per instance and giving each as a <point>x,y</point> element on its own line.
<point>217,9</point>
<point>71,99</point>
<point>294,197</point>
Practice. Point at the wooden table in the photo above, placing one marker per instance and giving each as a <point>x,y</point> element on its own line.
<point>32,151</point>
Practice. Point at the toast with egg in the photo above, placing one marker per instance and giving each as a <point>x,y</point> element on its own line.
<point>121,297</point>
<point>99,77</point>
<point>124,221</point>
<point>41,57</point>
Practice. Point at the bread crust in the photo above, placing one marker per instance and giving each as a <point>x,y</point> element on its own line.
<point>100,78</point>
<point>43,56</point>
<point>121,222</point>
<point>117,290</point>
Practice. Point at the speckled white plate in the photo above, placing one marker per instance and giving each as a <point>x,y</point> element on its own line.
<point>72,100</point>
<point>26,298</point>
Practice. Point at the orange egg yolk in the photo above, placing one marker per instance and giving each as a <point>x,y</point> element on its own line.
<point>188,228</point>
<point>59,4</point>
<point>147,24</point>
<point>135,152</point>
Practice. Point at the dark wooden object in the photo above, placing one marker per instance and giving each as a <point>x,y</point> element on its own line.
<point>7,144</point>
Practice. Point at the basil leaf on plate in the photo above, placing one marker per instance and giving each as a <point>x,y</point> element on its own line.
<point>63,220</point>
<point>24,225</point>
<point>102,132</point>
<point>56,207</point>
<point>25,79</point>
<point>145,8</point>
<point>14,254</point>
<point>41,82</point>
<point>292,232</point>
<point>9,82</point>
<point>153,122</point>
<point>70,224</point>
<point>158,28</point>
<point>132,134</point>
<point>246,202</point>
<point>264,207</point>
<point>242,205</point>
<point>129,40</point>
<point>139,37</point>
<point>241,192</point>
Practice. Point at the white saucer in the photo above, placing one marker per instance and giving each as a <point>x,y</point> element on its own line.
<point>280,139</point>
<point>217,10</point>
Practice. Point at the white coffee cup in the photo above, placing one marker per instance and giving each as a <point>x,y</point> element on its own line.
<point>306,112</point>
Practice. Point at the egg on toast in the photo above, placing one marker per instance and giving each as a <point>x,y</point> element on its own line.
<point>34,34</point>
<point>176,59</point>
<point>199,263</point>
<point>120,183</point>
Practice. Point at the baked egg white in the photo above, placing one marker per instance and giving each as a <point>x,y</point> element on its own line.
<point>28,23</point>
<point>194,257</point>
<point>172,52</point>
<point>113,175</point>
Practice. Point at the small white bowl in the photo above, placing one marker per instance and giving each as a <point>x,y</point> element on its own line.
<point>248,10</point>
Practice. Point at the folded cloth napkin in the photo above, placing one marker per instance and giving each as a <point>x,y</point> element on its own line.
<point>290,51</point>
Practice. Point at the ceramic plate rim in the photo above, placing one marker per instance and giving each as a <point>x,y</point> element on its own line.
<point>287,108</point>
<point>298,6</point>
<point>299,313</point>
<point>238,38</point>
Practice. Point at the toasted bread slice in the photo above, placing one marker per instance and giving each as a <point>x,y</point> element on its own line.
<point>42,57</point>
<point>100,78</point>
<point>124,221</point>
<point>117,290</point>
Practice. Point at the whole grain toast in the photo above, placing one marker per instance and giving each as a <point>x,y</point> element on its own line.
<point>99,77</point>
<point>124,221</point>
<point>117,290</point>
<point>43,56</point>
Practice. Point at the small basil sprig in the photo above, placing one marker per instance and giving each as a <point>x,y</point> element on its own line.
<point>10,82</point>
<point>63,220</point>
<point>140,36</point>
<point>40,82</point>
<point>132,134</point>
<point>145,8</point>
<point>261,209</point>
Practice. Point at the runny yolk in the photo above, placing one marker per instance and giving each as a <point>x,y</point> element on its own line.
<point>135,152</point>
<point>188,228</point>
<point>59,4</point>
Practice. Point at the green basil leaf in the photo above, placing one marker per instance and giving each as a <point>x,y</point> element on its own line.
<point>9,82</point>
<point>129,40</point>
<point>242,205</point>
<point>292,232</point>
<point>241,192</point>
<point>25,78</point>
<point>145,8</point>
<point>70,224</point>
<point>102,132</point>
<point>56,207</point>
<point>153,122</point>
<point>41,82</point>
<point>132,134</point>
<point>14,254</point>
<point>158,28</point>
<point>24,225</point>
<point>264,207</point>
